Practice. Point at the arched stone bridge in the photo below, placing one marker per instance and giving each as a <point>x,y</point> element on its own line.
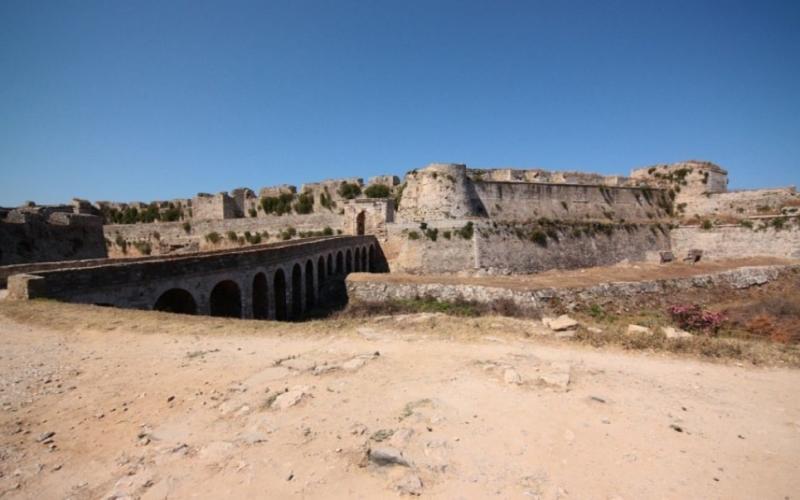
<point>280,281</point>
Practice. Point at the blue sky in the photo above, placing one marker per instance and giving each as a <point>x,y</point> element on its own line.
<point>140,100</point>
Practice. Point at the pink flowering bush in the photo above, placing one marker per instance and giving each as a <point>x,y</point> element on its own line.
<point>695,318</point>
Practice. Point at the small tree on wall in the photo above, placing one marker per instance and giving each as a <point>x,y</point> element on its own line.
<point>349,190</point>
<point>378,191</point>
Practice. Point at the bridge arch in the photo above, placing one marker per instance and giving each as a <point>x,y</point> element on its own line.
<point>260,300</point>
<point>364,260</point>
<point>226,300</point>
<point>279,291</point>
<point>330,264</point>
<point>339,262</point>
<point>372,259</point>
<point>357,260</point>
<point>348,262</point>
<point>297,291</point>
<point>176,300</point>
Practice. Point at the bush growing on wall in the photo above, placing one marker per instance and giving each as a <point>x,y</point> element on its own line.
<point>187,227</point>
<point>327,231</point>
<point>277,205</point>
<point>466,231</point>
<point>349,190</point>
<point>143,247</point>
<point>213,237</point>
<point>252,212</point>
<point>305,203</point>
<point>378,191</point>
<point>413,235</point>
<point>231,235</point>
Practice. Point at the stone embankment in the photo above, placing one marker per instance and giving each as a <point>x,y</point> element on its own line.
<point>377,288</point>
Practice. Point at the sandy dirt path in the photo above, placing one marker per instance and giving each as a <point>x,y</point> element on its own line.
<point>168,409</point>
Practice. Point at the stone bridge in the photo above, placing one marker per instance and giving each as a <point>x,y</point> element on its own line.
<point>279,281</point>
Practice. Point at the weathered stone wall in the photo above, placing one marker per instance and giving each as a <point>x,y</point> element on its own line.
<point>304,266</point>
<point>737,204</point>
<point>373,288</point>
<point>501,251</point>
<point>32,237</point>
<point>505,248</point>
<point>520,202</point>
<point>213,206</point>
<point>445,191</point>
<point>723,242</point>
<point>368,216</point>
<point>172,236</point>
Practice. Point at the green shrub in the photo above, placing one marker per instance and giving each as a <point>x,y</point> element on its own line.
<point>432,234</point>
<point>413,235</point>
<point>746,223</point>
<point>156,235</point>
<point>378,191</point>
<point>252,212</point>
<point>349,190</point>
<point>255,239</point>
<point>539,238</point>
<point>171,214</point>
<point>467,231</point>
<point>143,247</point>
<point>327,231</point>
<point>778,224</point>
<point>231,235</point>
<point>213,237</point>
<point>305,203</point>
<point>278,205</point>
<point>707,224</point>
<point>187,227</point>
<point>446,234</point>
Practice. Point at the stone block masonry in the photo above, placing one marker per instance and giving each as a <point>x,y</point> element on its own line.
<point>272,281</point>
<point>725,242</point>
<point>375,288</point>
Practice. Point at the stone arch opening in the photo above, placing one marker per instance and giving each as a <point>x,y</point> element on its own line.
<point>279,287</point>
<point>348,262</point>
<point>339,263</point>
<point>297,291</point>
<point>357,260</point>
<point>310,299</point>
<point>372,258</point>
<point>321,274</point>
<point>260,300</point>
<point>176,300</point>
<point>364,260</point>
<point>226,300</point>
<point>330,264</point>
<point>361,223</point>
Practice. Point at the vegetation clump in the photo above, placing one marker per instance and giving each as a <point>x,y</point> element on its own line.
<point>305,203</point>
<point>278,205</point>
<point>378,191</point>
<point>349,190</point>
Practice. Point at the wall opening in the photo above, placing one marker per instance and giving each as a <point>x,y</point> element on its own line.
<point>357,261</point>
<point>360,223</point>
<point>348,262</point>
<point>279,287</point>
<point>260,301</point>
<point>372,259</point>
<point>339,263</point>
<point>309,285</point>
<point>297,291</point>
<point>226,300</point>
<point>330,264</point>
<point>364,260</point>
<point>176,300</point>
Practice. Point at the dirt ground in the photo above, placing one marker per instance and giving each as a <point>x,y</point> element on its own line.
<point>154,405</point>
<point>568,278</point>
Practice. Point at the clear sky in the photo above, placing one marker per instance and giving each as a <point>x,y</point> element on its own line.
<point>144,100</point>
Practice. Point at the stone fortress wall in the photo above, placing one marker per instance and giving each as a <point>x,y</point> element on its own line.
<point>520,220</point>
<point>41,234</point>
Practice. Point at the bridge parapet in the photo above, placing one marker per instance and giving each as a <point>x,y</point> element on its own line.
<point>270,281</point>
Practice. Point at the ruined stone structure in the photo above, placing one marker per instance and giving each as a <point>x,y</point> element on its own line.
<point>276,281</point>
<point>444,218</point>
<point>39,234</point>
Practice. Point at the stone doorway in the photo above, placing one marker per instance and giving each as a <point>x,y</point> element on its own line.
<point>360,223</point>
